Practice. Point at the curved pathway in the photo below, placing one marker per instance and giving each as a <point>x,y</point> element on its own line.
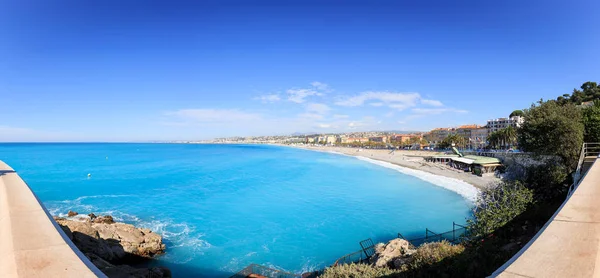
<point>569,244</point>
<point>31,243</point>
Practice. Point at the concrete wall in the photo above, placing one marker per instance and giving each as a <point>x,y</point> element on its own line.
<point>31,243</point>
<point>569,244</point>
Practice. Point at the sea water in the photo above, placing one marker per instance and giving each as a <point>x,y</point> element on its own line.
<point>222,207</point>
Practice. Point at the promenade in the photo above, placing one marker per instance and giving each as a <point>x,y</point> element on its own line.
<point>569,244</point>
<point>32,244</point>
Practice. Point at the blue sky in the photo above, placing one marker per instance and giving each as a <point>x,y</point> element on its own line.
<point>176,70</point>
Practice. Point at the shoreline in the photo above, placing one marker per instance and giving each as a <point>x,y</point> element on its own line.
<point>408,159</point>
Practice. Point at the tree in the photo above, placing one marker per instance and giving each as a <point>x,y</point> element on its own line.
<point>498,205</point>
<point>517,113</point>
<point>455,139</point>
<point>553,129</point>
<point>591,122</point>
<point>504,138</point>
<point>589,91</point>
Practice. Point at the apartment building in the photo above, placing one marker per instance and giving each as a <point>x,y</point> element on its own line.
<point>502,123</point>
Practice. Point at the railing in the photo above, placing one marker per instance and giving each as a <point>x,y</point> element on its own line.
<point>458,234</point>
<point>264,271</point>
<point>587,150</point>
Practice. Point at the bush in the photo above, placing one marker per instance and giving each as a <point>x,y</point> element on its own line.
<point>357,271</point>
<point>432,253</point>
<point>498,205</point>
<point>547,180</point>
<point>553,129</point>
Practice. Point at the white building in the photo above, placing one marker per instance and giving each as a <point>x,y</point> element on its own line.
<point>502,123</point>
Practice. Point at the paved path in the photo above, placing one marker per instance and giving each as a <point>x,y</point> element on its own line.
<point>569,244</point>
<point>31,243</point>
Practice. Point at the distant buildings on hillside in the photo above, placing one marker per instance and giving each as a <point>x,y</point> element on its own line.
<point>475,135</point>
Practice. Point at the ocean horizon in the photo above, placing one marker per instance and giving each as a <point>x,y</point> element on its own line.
<point>222,207</point>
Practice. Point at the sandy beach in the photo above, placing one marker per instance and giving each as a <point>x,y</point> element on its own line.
<point>412,159</point>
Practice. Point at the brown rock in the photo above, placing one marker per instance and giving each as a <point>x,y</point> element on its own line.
<point>107,243</point>
<point>72,213</point>
<point>92,216</point>
<point>118,271</point>
<point>394,249</point>
<point>107,219</point>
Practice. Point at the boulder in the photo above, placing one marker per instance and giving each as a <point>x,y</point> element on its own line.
<point>136,241</point>
<point>92,216</point>
<point>386,254</point>
<point>71,213</point>
<point>125,271</point>
<point>88,240</point>
<point>107,219</point>
<point>115,242</point>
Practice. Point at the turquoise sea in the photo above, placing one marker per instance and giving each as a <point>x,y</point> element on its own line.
<point>222,207</point>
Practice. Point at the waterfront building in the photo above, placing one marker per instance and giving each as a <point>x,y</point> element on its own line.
<point>466,131</point>
<point>502,123</point>
<point>438,135</point>
<point>379,139</point>
<point>478,139</point>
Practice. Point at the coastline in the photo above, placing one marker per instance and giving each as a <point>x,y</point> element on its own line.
<point>408,159</point>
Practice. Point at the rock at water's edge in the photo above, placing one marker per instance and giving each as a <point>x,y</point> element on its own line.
<point>110,245</point>
<point>72,213</point>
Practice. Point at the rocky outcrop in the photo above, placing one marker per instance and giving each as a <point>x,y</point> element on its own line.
<point>391,253</point>
<point>126,271</point>
<point>110,244</point>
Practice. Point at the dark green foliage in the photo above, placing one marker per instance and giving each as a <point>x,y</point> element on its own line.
<point>591,121</point>
<point>455,139</point>
<point>589,91</point>
<point>553,129</point>
<point>498,205</point>
<point>547,180</point>
<point>504,138</point>
<point>517,113</point>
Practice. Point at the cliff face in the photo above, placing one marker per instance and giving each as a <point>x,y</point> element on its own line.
<point>111,246</point>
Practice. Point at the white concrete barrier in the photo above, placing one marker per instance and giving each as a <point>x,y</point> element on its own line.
<point>31,243</point>
<point>569,243</point>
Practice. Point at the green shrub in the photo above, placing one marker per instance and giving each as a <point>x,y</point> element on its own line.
<point>547,180</point>
<point>497,205</point>
<point>357,271</point>
<point>432,253</point>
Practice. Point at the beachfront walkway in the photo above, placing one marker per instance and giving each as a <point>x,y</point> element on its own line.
<point>569,244</point>
<point>32,244</point>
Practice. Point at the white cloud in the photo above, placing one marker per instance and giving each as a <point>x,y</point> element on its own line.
<point>399,106</point>
<point>313,116</point>
<point>318,108</point>
<point>437,111</point>
<point>338,116</point>
<point>432,102</point>
<point>269,98</point>
<point>213,115</point>
<point>299,95</point>
<point>389,98</point>
<point>320,86</point>
<point>323,126</point>
<point>389,114</point>
<point>376,104</point>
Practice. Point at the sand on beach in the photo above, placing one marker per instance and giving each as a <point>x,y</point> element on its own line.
<point>413,159</point>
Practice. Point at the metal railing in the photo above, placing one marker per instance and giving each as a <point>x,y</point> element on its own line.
<point>264,271</point>
<point>587,150</point>
<point>457,235</point>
